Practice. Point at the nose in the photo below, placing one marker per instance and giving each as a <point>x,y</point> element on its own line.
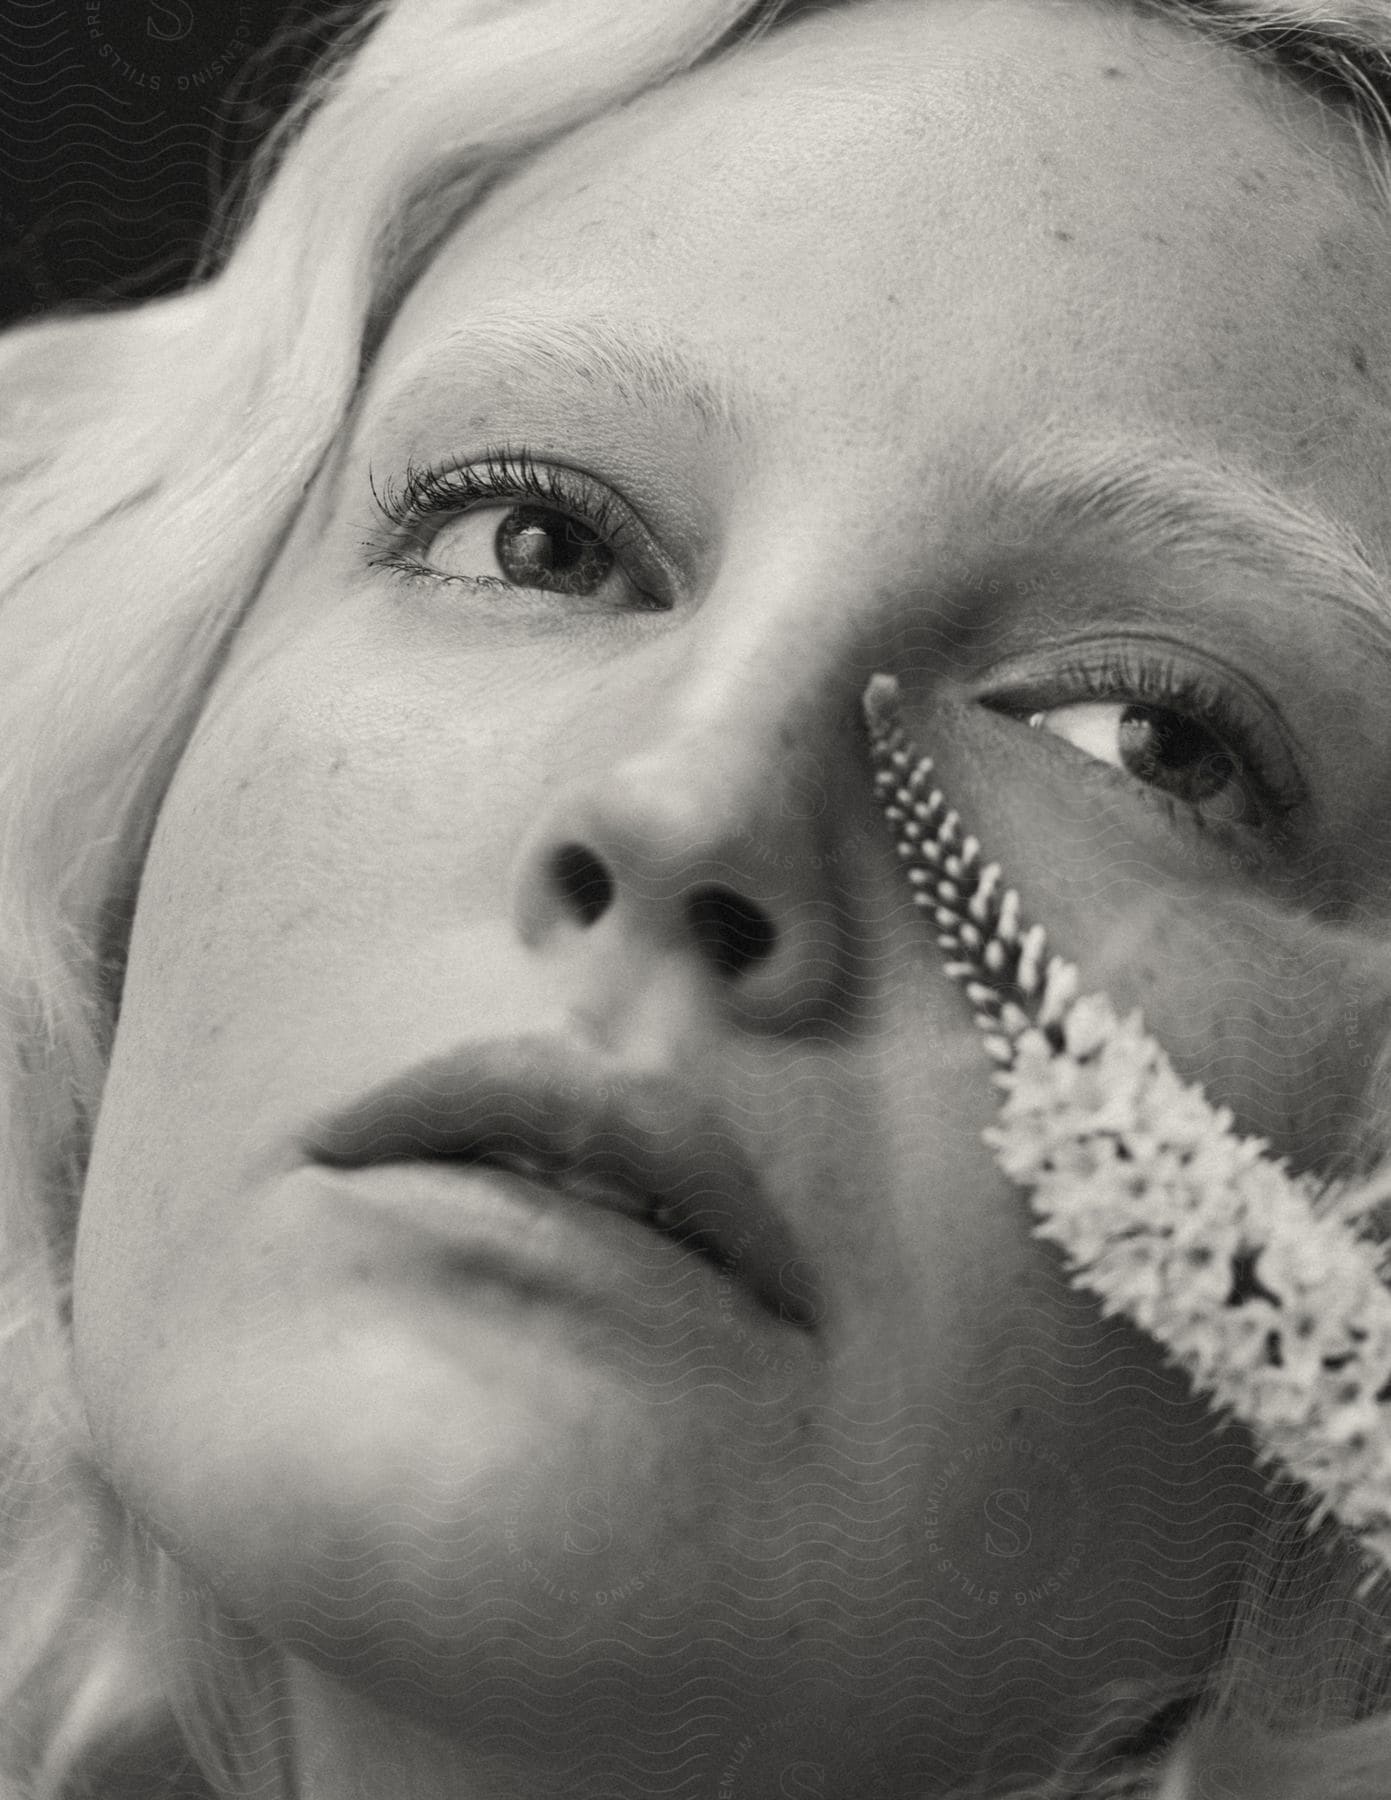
<point>714,853</point>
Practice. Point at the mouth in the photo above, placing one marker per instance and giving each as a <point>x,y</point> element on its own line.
<point>641,1145</point>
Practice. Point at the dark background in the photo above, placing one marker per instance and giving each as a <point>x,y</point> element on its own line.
<point>123,126</point>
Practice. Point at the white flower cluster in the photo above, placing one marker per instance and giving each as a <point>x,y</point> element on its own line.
<point>1268,1293</point>
<point>1268,1301</point>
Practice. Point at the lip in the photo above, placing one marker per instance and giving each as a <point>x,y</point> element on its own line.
<point>641,1144</point>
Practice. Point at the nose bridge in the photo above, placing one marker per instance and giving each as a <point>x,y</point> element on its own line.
<point>710,839</point>
<point>731,785</point>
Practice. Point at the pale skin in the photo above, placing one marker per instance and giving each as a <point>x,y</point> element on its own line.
<point>529,1550</point>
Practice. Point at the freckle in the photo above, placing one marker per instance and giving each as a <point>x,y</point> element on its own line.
<point>1112,73</point>
<point>294,921</point>
<point>1359,359</point>
<point>1063,237</point>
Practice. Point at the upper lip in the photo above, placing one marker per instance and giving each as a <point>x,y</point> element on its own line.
<point>641,1143</point>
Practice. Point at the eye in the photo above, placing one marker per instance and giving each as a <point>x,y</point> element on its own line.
<point>1158,745</point>
<point>1202,740</point>
<point>525,546</point>
<point>510,523</point>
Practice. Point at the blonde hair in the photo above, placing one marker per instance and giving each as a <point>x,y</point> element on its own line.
<point>151,460</point>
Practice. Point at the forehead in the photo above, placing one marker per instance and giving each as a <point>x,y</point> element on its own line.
<point>896,223</point>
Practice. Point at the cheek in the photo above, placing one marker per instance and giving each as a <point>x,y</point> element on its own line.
<point>1274,1013</point>
<point>323,902</point>
<point>315,811</point>
<point>260,879</point>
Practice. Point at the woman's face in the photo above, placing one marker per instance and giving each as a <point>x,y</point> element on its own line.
<point>1004,348</point>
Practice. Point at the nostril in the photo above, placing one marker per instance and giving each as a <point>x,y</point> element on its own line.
<point>582,881</point>
<point>733,932</point>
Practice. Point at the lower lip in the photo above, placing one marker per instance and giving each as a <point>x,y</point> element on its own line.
<point>492,1227</point>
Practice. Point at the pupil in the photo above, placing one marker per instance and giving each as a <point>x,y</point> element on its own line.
<point>1174,753</point>
<point>538,548</point>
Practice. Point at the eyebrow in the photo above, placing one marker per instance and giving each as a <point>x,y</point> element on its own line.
<point>1162,502</point>
<point>638,362</point>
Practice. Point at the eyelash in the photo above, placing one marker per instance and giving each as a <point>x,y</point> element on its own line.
<point>1117,675</point>
<point>499,475</point>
